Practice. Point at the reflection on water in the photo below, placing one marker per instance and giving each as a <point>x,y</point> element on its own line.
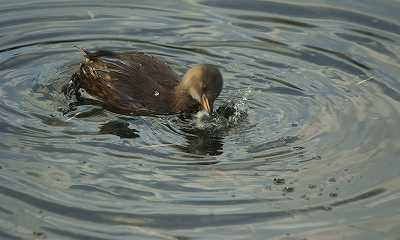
<point>303,144</point>
<point>118,128</point>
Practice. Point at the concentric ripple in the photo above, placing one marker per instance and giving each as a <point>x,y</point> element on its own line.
<point>304,142</point>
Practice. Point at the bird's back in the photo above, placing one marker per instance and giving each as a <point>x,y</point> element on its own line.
<point>129,81</point>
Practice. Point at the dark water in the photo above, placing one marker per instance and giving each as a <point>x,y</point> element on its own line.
<point>312,151</point>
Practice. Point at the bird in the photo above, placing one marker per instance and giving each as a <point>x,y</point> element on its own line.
<point>138,83</point>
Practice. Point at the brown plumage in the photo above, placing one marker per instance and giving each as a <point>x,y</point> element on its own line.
<point>138,83</point>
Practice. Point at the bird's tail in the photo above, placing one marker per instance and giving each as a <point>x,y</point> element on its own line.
<point>82,50</point>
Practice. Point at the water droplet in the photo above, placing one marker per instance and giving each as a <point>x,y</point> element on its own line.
<point>156,93</point>
<point>312,186</point>
<point>333,194</point>
<point>332,180</point>
<point>268,188</point>
<point>139,64</point>
<point>279,181</point>
<point>288,189</point>
<point>294,124</point>
<point>328,208</point>
<point>298,148</point>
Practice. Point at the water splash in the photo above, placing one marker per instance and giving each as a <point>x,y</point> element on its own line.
<point>229,113</point>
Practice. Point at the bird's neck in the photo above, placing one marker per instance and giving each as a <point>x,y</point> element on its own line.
<point>183,99</point>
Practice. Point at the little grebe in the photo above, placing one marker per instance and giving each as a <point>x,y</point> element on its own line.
<point>136,83</point>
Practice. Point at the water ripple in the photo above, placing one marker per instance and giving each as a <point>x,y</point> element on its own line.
<point>304,140</point>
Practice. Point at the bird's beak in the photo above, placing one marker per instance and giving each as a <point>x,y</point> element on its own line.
<point>207,104</point>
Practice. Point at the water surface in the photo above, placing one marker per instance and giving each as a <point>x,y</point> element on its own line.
<point>311,151</point>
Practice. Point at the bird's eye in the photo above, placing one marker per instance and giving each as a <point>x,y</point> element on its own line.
<point>205,88</point>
